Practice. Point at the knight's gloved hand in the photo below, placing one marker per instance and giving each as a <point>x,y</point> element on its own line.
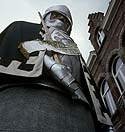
<point>76,91</point>
<point>105,128</point>
<point>110,129</point>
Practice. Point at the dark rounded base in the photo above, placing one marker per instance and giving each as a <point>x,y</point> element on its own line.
<point>42,110</point>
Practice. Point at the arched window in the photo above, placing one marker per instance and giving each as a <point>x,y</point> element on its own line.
<point>118,71</point>
<point>108,98</point>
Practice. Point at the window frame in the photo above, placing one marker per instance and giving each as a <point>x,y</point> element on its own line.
<point>100,36</point>
<point>107,97</point>
<point>114,65</point>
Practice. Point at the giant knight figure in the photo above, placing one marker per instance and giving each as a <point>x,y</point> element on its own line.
<point>45,85</point>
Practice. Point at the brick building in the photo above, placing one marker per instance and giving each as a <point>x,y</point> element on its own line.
<point>107,61</point>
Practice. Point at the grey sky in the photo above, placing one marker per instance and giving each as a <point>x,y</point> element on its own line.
<point>26,10</point>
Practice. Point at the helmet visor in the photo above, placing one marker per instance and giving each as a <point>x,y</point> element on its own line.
<point>55,15</point>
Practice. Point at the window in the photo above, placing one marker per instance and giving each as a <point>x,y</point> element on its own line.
<point>100,37</point>
<point>118,71</point>
<point>108,98</point>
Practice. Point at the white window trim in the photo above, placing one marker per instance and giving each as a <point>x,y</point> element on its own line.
<point>109,100</point>
<point>100,37</point>
<point>110,103</point>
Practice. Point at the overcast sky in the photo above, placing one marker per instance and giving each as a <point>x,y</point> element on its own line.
<point>27,10</point>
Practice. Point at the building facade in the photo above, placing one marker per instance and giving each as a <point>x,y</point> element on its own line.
<point>107,61</point>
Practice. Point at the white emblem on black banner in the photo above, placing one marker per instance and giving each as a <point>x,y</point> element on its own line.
<point>19,68</point>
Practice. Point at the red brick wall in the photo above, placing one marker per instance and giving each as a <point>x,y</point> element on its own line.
<point>113,44</point>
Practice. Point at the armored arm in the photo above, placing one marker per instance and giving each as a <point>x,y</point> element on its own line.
<point>64,77</point>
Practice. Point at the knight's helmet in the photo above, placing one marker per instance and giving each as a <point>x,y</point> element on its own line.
<point>63,11</point>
